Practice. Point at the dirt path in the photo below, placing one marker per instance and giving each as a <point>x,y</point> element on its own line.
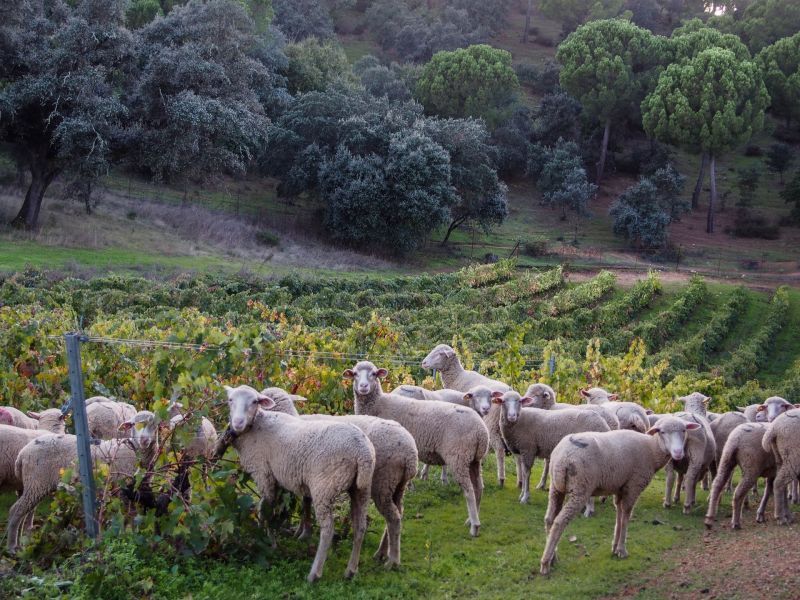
<point>760,561</point>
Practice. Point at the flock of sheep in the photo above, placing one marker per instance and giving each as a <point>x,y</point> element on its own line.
<point>601,448</point>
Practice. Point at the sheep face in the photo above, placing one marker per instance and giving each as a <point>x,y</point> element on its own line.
<point>5,417</point>
<point>439,358</point>
<point>695,402</point>
<point>51,420</point>
<point>597,395</point>
<point>243,405</point>
<point>480,399</point>
<point>366,377</point>
<point>511,403</point>
<point>671,433</point>
<point>142,428</point>
<point>541,395</point>
<point>774,406</point>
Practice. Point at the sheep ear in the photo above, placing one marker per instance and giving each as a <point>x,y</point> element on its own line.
<point>613,396</point>
<point>526,401</point>
<point>649,411</point>
<point>468,396</point>
<point>228,389</point>
<point>497,394</point>
<point>761,408</point>
<point>546,395</point>
<point>126,426</point>
<point>449,352</point>
<point>497,399</point>
<point>298,399</point>
<point>690,426</point>
<point>34,415</point>
<point>707,400</point>
<point>63,417</point>
<point>655,430</point>
<point>584,392</point>
<point>741,408</point>
<point>382,373</point>
<point>349,374</point>
<point>796,405</point>
<point>266,402</point>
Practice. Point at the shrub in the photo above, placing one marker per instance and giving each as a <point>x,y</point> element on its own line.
<point>267,238</point>
<point>536,246</point>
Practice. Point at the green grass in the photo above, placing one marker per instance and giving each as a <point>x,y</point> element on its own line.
<point>440,560</point>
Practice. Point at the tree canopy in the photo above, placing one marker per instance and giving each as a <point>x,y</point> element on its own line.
<point>780,64</point>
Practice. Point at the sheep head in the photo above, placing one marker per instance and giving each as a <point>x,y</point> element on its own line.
<point>366,377</point>
<point>671,432</point>
<point>439,358</point>
<point>243,405</point>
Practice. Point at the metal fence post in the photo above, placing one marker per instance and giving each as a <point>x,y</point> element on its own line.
<point>552,364</point>
<point>73,341</point>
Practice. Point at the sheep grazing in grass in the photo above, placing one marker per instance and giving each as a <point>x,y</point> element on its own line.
<point>620,463</point>
<point>445,434</point>
<point>51,420</point>
<point>629,414</point>
<point>743,447</point>
<point>533,433</point>
<point>545,397</point>
<point>781,440</point>
<point>40,462</point>
<point>445,360</point>
<point>420,393</point>
<point>105,416</point>
<point>318,459</point>
<point>395,466</point>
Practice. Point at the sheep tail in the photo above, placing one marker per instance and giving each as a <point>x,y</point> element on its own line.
<point>727,463</point>
<point>365,467</point>
<point>18,468</point>
<point>766,441</point>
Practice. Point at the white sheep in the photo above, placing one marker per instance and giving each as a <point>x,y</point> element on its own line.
<point>13,439</point>
<point>395,466</point>
<point>774,406</point>
<point>40,462</point>
<point>443,395</point>
<point>743,447</point>
<point>781,440</point>
<point>105,416</point>
<point>534,432</point>
<point>445,434</point>
<point>545,397</point>
<point>615,462</point>
<point>51,419</point>
<point>753,413</point>
<point>629,414</point>
<point>721,429</point>
<point>445,360</point>
<point>700,453</point>
<point>308,458</point>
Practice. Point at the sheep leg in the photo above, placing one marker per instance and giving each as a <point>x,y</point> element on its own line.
<point>589,511</point>
<point>324,514</point>
<point>670,479</point>
<point>500,453</point>
<point>782,479</point>
<point>542,485</point>
<point>721,479</point>
<point>461,473</point>
<point>738,500</point>
<point>476,478</point>
<point>520,471</point>
<point>305,528</point>
<point>693,475</point>
<point>359,497</point>
<point>704,483</point>
<point>524,475</point>
<point>423,472</point>
<point>571,508</point>
<point>18,515</point>
<point>762,507</point>
<point>625,503</point>
<point>678,486</point>
<point>795,492</point>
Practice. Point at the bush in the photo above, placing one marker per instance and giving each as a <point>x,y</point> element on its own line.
<point>267,238</point>
<point>753,150</point>
<point>750,225</point>
<point>536,247</point>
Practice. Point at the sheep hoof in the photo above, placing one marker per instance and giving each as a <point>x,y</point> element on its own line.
<point>312,578</point>
<point>348,574</point>
<point>736,526</point>
<point>501,483</point>
<point>391,565</point>
<point>524,498</point>
<point>709,523</point>
<point>541,486</point>
<point>379,556</point>
<point>687,509</point>
<point>621,553</point>
<point>474,530</point>
<point>760,518</point>
<point>588,513</point>
<point>544,569</point>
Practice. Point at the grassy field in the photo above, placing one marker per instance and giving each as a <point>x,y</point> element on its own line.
<point>440,560</point>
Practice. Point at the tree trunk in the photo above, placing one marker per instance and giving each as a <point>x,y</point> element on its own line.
<point>698,187</point>
<point>527,22</point>
<point>601,165</point>
<point>28,215</point>
<point>453,226</point>
<point>712,172</point>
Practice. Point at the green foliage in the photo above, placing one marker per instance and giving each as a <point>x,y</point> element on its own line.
<point>560,176</point>
<point>766,21</point>
<point>749,357</point>
<point>791,195</point>
<point>571,13</point>
<point>141,12</point>
<point>693,37</point>
<point>747,183</point>
<point>780,65</point>
<point>315,64</point>
<point>301,19</point>
<point>779,158</point>
<point>477,81</point>
<point>583,294</point>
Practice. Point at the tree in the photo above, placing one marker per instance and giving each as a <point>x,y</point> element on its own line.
<point>791,195</point>
<point>747,183</point>
<point>472,82</point>
<point>780,157</point>
<point>767,21</point>
<point>300,19</point>
<point>686,43</point>
<point>708,104</point>
<point>780,64</point>
<point>643,212</point>
<point>557,116</point>
<point>313,65</point>
<point>59,100</point>
<point>489,14</point>
<point>560,176</point>
<point>141,12</point>
<point>395,202</point>
<point>196,100</point>
<point>608,67</point>
<point>571,13</point>
<point>480,196</point>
